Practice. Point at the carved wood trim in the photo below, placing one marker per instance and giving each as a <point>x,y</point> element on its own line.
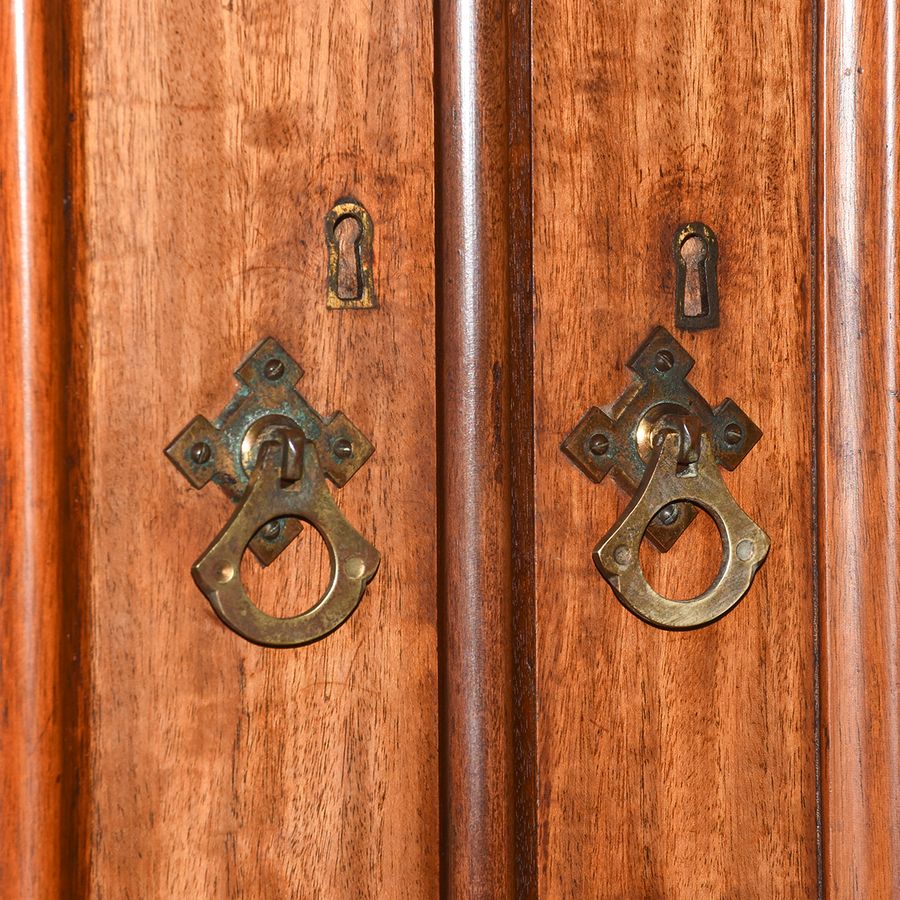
<point>40,628</point>
<point>858,558</point>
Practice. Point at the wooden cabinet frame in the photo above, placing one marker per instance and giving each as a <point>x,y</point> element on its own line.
<point>491,790</point>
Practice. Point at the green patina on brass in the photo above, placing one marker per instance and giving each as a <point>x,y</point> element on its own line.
<point>270,452</point>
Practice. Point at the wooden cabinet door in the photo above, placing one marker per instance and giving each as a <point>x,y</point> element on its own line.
<point>200,147</point>
<point>491,721</point>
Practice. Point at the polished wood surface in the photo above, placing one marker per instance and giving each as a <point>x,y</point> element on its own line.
<point>36,679</point>
<point>215,139</point>
<point>859,507</point>
<point>477,768</point>
<point>676,765</point>
<point>491,722</point>
<point>521,249</point>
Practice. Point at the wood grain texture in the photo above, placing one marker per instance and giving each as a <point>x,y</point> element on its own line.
<point>675,765</point>
<point>521,281</point>
<point>477,769</point>
<point>859,556</point>
<point>216,136</point>
<point>35,604</point>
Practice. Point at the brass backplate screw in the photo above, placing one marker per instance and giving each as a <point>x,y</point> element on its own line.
<point>599,445</point>
<point>200,453</point>
<point>273,369</point>
<point>272,530</point>
<point>664,361</point>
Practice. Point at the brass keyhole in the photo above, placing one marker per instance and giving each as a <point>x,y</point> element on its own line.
<point>695,248</point>
<point>696,295</point>
<point>349,236</point>
<point>349,277</point>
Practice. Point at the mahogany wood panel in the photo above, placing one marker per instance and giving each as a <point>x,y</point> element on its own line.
<point>477,769</point>
<point>522,445</point>
<point>37,682</point>
<point>859,556</point>
<point>676,765</point>
<point>215,138</point>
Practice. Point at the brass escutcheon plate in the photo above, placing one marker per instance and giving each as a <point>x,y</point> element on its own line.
<point>664,445</point>
<point>362,262</point>
<point>614,440</point>
<point>270,452</point>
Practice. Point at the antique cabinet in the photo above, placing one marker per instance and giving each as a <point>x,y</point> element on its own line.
<point>491,721</point>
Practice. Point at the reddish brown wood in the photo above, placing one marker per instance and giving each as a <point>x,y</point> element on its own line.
<point>216,137</point>
<point>522,448</point>
<point>859,556</point>
<point>675,765</point>
<point>474,465</point>
<point>35,536</point>
<point>205,149</point>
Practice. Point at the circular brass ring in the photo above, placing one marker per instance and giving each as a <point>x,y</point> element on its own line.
<point>745,544</point>
<point>353,559</point>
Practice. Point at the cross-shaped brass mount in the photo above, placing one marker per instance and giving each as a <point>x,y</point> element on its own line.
<point>619,440</point>
<point>264,407</point>
<point>271,452</point>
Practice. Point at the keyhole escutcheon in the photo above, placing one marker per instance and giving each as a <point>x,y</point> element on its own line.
<point>349,281</point>
<point>349,237</point>
<point>695,250</point>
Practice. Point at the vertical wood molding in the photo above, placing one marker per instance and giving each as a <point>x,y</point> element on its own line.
<point>474,465</point>
<point>521,279</point>
<point>858,448</point>
<point>33,477</point>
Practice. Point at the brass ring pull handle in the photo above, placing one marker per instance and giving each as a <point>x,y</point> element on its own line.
<point>668,480</point>
<point>275,492</point>
<point>270,452</point>
<point>663,444</point>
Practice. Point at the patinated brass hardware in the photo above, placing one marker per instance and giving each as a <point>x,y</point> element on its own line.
<point>350,236</point>
<point>663,444</point>
<point>270,452</point>
<point>668,481</point>
<point>696,253</point>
